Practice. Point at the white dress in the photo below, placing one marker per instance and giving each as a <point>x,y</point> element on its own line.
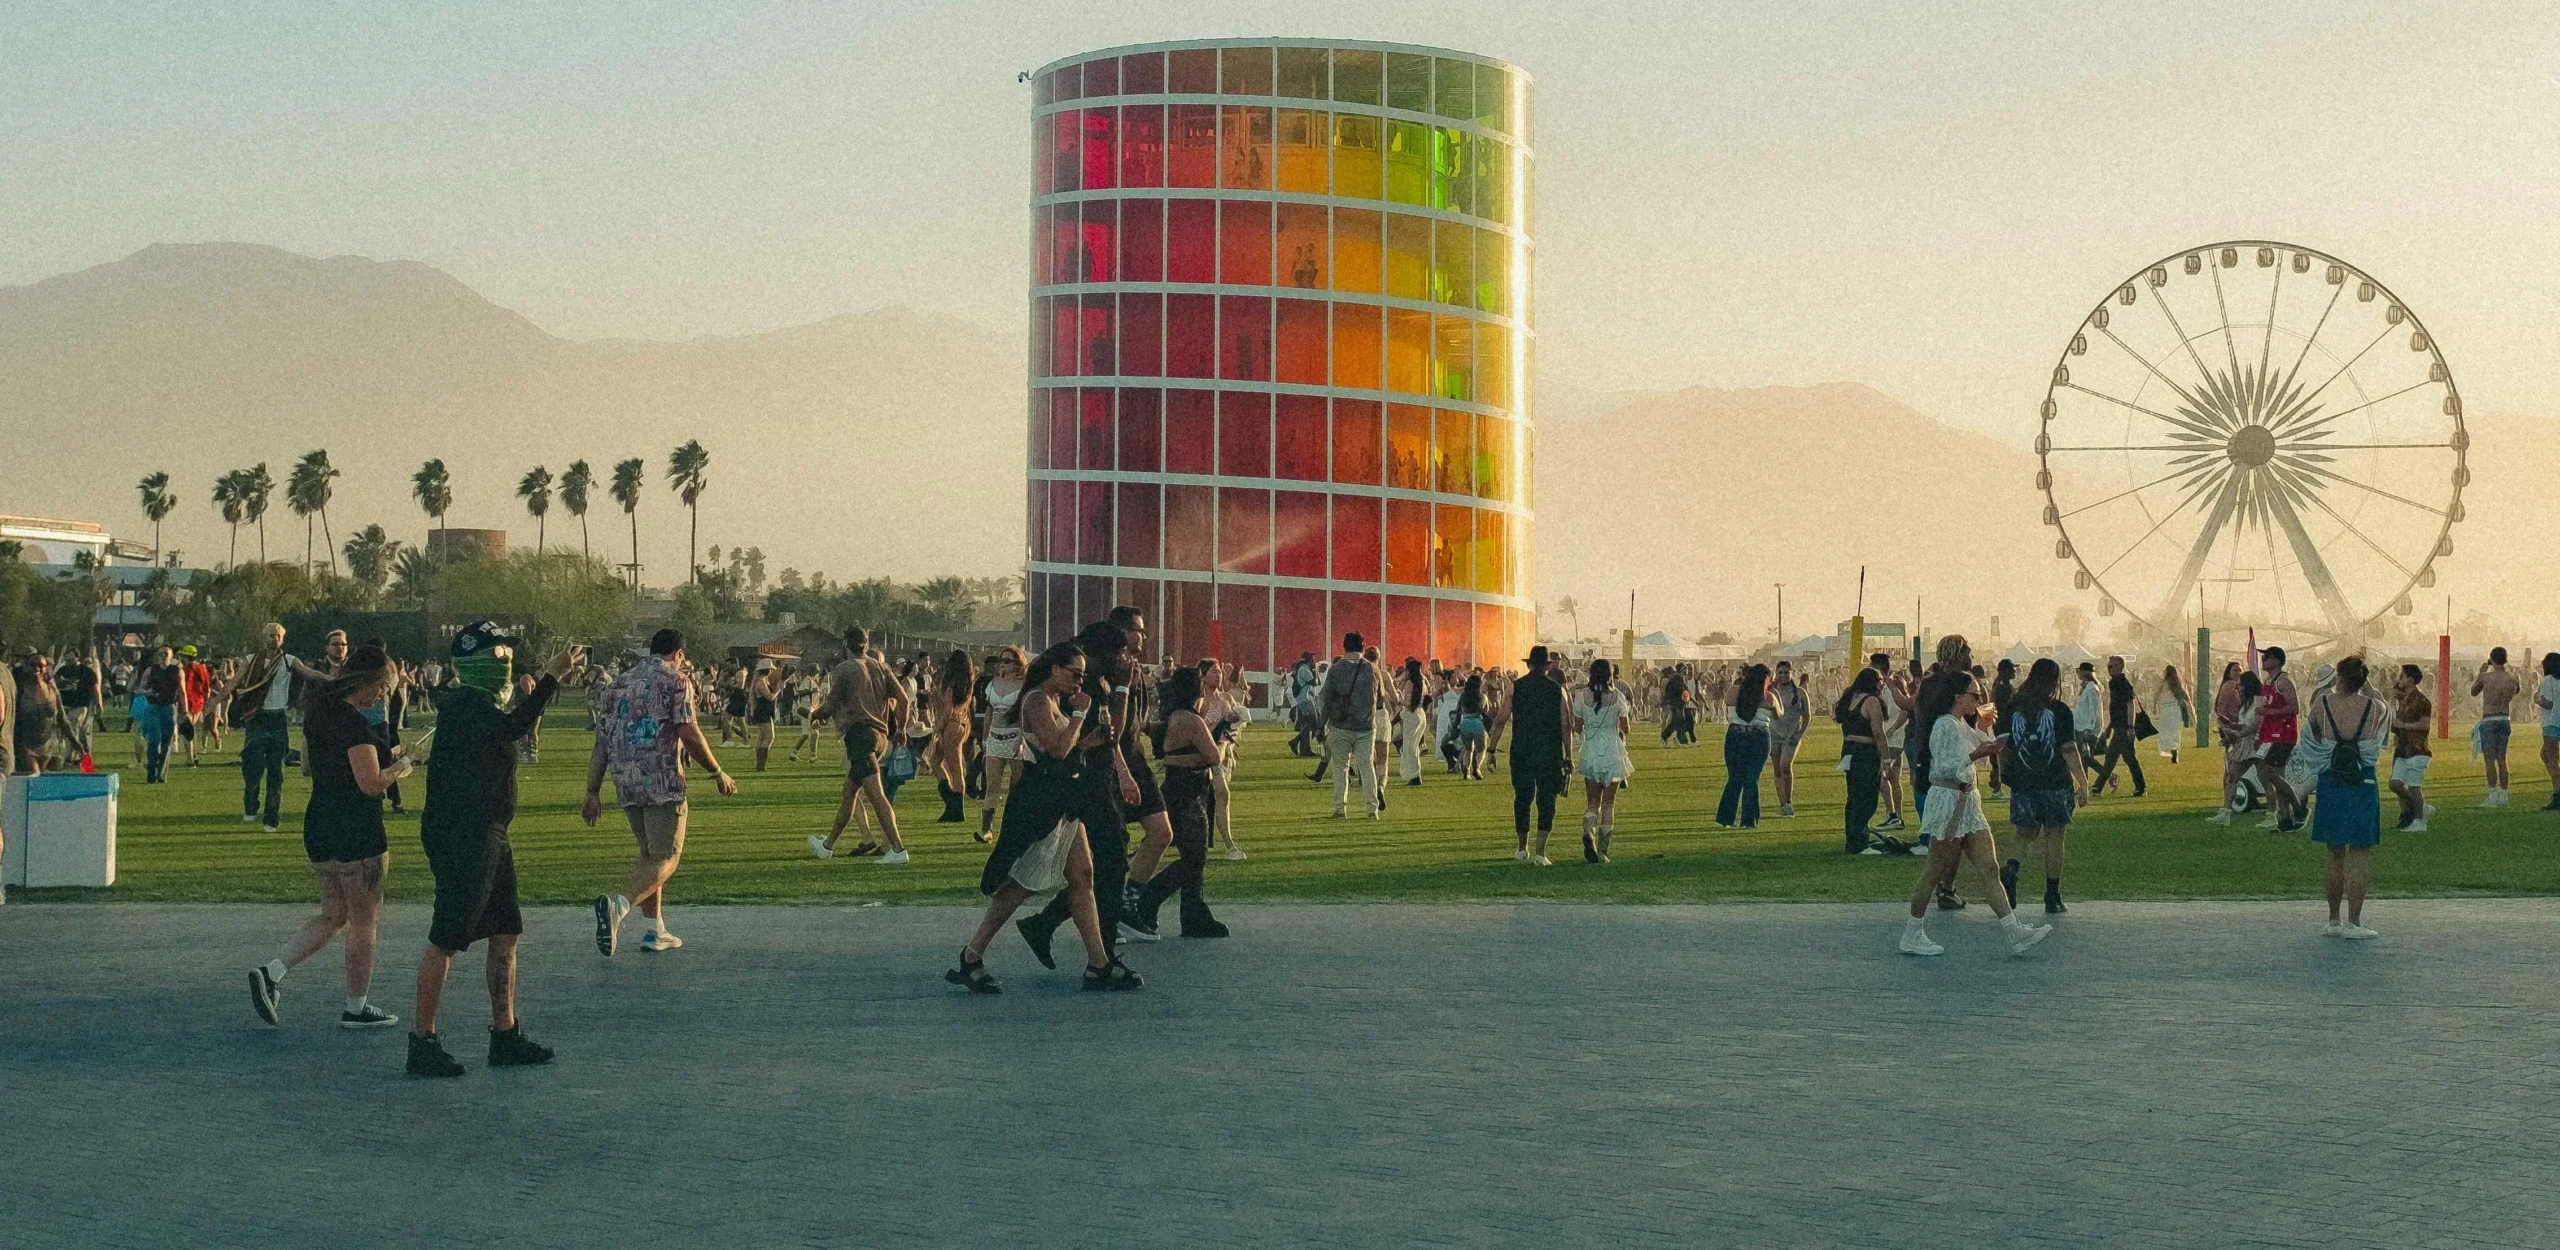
<point>2171,721</point>
<point>1604,746</point>
<point>1004,721</point>
<point>1953,813</point>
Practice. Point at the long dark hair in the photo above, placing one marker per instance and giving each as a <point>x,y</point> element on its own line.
<point>366,663</point>
<point>959,677</point>
<point>1104,645</point>
<point>1600,670</point>
<point>1182,690</point>
<point>1748,690</point>
<point>1412,682</point>
<point>1866,683</point>
<point>2043,677</point>
<point>2250,687</point>
<point>1050,661</point>
<point>2351,675</point>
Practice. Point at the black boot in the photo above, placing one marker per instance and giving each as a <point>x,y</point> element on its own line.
<point>512,1049</point>
<point>1037,932</point>
<point>427,1057</point>
<point>951,813</point>
<point>2009,881</point>
<point>2053,896</point>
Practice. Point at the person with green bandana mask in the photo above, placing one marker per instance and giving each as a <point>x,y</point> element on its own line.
<point>471,799</point>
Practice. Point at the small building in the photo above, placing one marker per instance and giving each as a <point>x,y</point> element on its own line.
<point>448,546</point>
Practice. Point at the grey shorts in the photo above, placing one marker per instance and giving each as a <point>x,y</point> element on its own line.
<point>2494,735</point>
<point>659,828</point>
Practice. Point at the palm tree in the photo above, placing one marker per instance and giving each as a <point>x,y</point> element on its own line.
<point>686,469</point>
<point>432,487</point>
<point>628,478</point>
<point>307,491</point>
<point>157,504</point>
<point>535,491</point>
<point>1572,608</point>
<point>256,487</point>
<point>227,495</point>
<point>416,573</point>
<point>370,553</point>
<point>574,486</point>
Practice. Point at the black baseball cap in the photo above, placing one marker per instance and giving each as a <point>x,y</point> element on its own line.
<point>479,637</point>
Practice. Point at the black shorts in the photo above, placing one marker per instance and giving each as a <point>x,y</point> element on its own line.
<point>864,748</point>
<point>2275,755</point>
<point>1150,799</point>
<point>475,890</point>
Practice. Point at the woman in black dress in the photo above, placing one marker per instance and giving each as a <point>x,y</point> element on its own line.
<point>1191,753</point>
<point>352,765</point>
<point>1055,711</point>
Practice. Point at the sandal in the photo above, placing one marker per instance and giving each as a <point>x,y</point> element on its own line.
<point>1114,976</point>
<point>982,837</point>
<point>972,975</point>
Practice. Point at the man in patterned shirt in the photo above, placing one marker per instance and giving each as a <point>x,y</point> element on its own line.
<point>648,729</point>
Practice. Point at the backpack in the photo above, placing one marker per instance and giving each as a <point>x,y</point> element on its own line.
<point>2031,746</point>
<point>2346,759</point>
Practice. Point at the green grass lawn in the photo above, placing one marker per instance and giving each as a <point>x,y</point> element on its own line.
<point>1445,840</point>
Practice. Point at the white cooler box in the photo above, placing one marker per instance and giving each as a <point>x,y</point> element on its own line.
<point>61,830</point>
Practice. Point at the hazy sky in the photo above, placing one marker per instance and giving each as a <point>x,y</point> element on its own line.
<point>1923,197</point>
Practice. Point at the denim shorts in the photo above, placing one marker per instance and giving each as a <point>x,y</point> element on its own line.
<point>2039,809</point>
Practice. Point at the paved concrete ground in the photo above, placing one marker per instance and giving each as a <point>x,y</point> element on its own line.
<point>2157,1075</point>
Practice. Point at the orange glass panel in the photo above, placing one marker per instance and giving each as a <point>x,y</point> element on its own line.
<point>1408,447</point>
<point>1191,145</point>
<point>1302,73</point>
<point>1408,351</point>
<point>1408,256</point>
<point>1356,348</point>
<point>1300,355</point>
<point>1298,534</point>
<point>1357,77</point>
<point>1453,264</point>
<point>1453,447</point>
<point>1247,71</point>
<point>1191,241</point>
<point>1356,439</point>
<point>1408,542</point>
<point>1244,144</point>
<point>1302,251</point>
<point>1303,147</point>
<point>1244,530</point>
<point>1355,612</point>
<point>1492,270</point>
<point>1355,250</point>
<point>1190,432</point>
<point>1356,155</point>
<point>1453,631</point>
<point>1493,458</point>
<point>1189,520</point>
<point>1453,545</point>
<point>1492,554</point>
<point>1492,630</point>
<point>1453,357</point>
<point>1523,578</point>
<point>1297,626</point>
<point>1408,628</point>
<point>1244,242</point>
<point>1298,439</point>
<point>1356,546</point>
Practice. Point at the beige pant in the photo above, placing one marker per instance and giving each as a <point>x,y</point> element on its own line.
<point>659,828</point>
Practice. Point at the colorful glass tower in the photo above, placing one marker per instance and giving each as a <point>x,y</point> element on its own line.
<point>1281,349</point>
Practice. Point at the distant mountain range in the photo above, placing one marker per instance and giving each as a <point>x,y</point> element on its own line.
<point>891,442</point>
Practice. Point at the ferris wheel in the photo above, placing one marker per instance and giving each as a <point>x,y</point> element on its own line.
<point>2257,431</point>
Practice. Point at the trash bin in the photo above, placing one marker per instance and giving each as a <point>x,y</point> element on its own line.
<point>61,830</point>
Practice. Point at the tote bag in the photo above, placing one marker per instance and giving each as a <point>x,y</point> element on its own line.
<point>1043,867</point>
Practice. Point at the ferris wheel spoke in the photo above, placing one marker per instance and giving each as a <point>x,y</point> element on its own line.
<point>2130,447</point>
<point>2173,473</point>
<point>2436,446</point>
<point>2223,307</point>
<point>2267,341</point>
<point>2200,431</point>
<point>2315,567</point>
<point>2225,501</point>
<point>2161,302</point>
<point>2316,327</point>
<point>2306,428</point>
<point>2302,407</point>
<point>2378,549</point>
<point>2145,361</point>
<point>2333,475</point>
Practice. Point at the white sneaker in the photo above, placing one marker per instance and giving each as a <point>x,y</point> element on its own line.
<point>1872,849</point>
<point>2357,933</point>
<point>1521,854</point>
<point>893,858</point>
<point>2333,929</point>
<point>659,940</point>
<point>2416,826</point>
<point>1786,809</point>
<point>1915,941</point>
<point>2222,817</point>
<point>2024,937</point>
<point>1542,861</point>
<point>2268,823</point>
<point>1235,852</point>
<point>250,818</point>
<point>819,844</point>
<point>2427,814</point>
<point>1338,813</point>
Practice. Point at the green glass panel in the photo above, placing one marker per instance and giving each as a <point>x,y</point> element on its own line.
<point>1453,88</point>
<point>1409,82</point>
<point>1408,162</point>
<point>1493,98</point>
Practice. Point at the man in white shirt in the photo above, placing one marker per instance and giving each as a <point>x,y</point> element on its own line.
<point>265,693</point>
<point>1897,701</point>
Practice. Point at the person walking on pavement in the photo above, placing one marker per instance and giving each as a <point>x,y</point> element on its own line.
<point>471,801</point>
<point>649,728</point>
<point>1541,754</point>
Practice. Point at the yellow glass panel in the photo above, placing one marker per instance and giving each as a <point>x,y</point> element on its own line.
<point>1492,270</point>
<point>1452,183</point>
<point>1453,442</point>
<point>1453,263</point>
<point>1408,447</point>
<point>1493,365</point>
<point>1453,357</point>
<point>1493,458</point>
<point>1493,560</point>
<point>1302,245</point>
<point>1409,163</point>
<point>1302,150</point>
<point>1453,546</point>
<point>1408,256</point>
<point>1355,250</point>
<point>1356,155</point>
<point>1408,351</point>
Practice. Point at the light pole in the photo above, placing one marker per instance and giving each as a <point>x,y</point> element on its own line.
<point>1782,612</point>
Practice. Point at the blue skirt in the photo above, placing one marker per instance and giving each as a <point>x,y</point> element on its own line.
<point>2347,815</point>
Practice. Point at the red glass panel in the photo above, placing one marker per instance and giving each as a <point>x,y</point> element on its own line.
<point>1189,515</point>
<point>1408,542</point>
<point>1244,243</point>
<point>1190,336</point>
<point>1142,240</point>
<point>1357,352</point>
<point>1142,334</point>
<point>1356,542</point>
<point>1356,436</point>
<point>1194,71</point>
<point>1102,78</point>
<point>1244,530</point>
<point>1066,242</point>
<point>1141,431</point>
<point>1453,631</point>
<point>1298,444</point>
<point>1037,527</point>
<point>1093,523</point>
<point>1299,355</point>
<point>1244,434</point>
<point>1354,612</point>
<point>1191,148</point>
<point>1066,151</point>
<point>1093,430</point>
<point>1093,599</point>
<point>1142,145</point>
<point>1098,354</point>
<point>1141,524</point>
<point>1492,632</point>
<point>1408,628</point>
<point>1245,613</point>
<point>1185,623</point>
<point>1190,433</point>
<point>1244,338</point>
<point>1070,84</point>
<point>1101,239</point>
<point>1142,73</point>
<point>1062,522</point>
<point>1297,626</point>
<point>1191,241</point>
<point>1064,311</point>
<point>1062,429</point>
<point>1062,608</point>
<point>1101,145</point>
<point>1298,534</point>
<point>1140,593</point>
